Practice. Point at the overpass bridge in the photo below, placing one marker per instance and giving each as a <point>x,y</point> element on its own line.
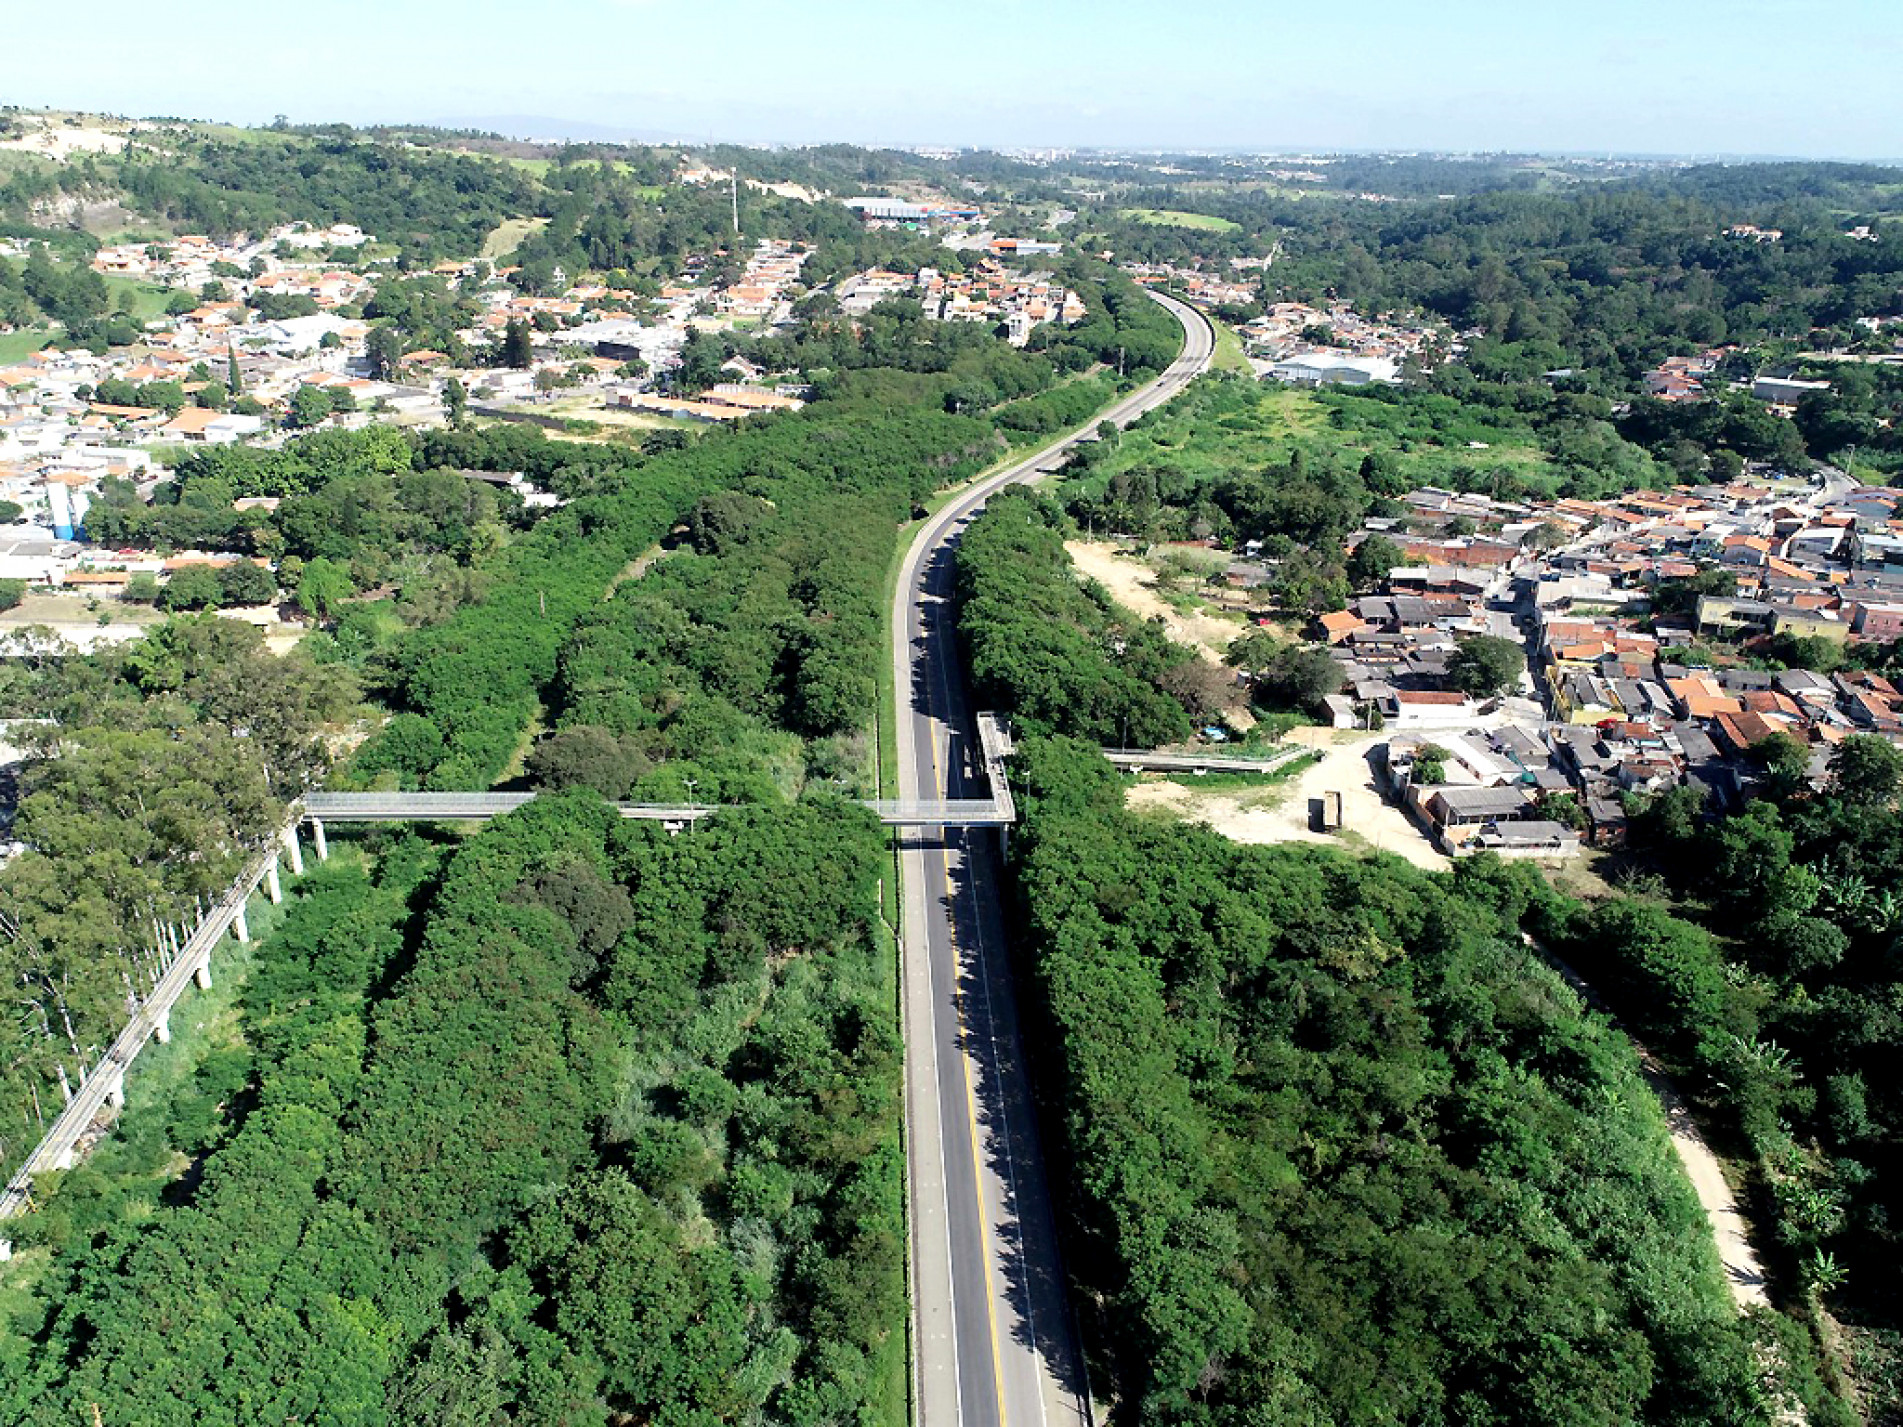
<point>321,808</point>
<point>186,954</point>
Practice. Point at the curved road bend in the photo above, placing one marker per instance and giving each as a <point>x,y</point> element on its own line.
<point>993,1344</point>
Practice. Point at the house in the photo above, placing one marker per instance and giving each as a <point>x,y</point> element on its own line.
<point>213,428</point>
<point>1418,707</point>
<point>1729,614</point>
<point>1338,625</point>
<point>1458,814</point>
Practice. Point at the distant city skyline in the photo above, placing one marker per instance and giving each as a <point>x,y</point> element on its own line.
<point>1750,77</point>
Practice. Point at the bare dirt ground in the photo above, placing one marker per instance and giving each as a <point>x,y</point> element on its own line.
<point>1132,583</point>
<point>1281,812</point>
<point>1742,1272</point>
<point>58,142</point>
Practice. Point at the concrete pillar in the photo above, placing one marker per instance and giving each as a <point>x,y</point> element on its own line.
<point>317,837</point>
<point>116,1091</point>
<point>162,1029</point>
<point>6,1250</point>
<point>64,1159</point>
<point>295,852</point>
<point>240,928</point>
<point>201,973</point>
<point>272,886</point>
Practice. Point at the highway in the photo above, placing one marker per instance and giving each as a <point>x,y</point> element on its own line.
<point>993,1338</point>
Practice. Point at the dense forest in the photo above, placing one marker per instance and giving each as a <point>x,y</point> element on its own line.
<point>596,1125</point>
<point>469,687</point>
<point>1341,1149</point>
<point>1056,655</point>
<point>427,203</point>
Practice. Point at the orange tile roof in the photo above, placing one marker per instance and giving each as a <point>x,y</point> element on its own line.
<point>192,421</point>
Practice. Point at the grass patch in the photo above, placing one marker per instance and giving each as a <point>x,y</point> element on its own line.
<point>14,346</point>
<point>148,299</point>
<point>540,168</point>
<point>1175,218</point>
<point>1221,425</point>
<point>1230,356</point>
<point>509,235</point>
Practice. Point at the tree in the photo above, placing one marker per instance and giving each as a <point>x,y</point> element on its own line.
<point>168,397</point>
<point>1253,652</point>
<point>518,346</point>
<point>455,402</point>
<point>1429,769</point>
<point>383,350</point>
<point>718,523</point>
<point>194,587</point>
<point>244,583</point>
<point>1299,677</point>
<point>1485,664</point>
<point>11,593</point>
<point>700,363</point>
<point>310,406</point>
<point>1564,808</point>
<point>1372,561</point>
<point>1865,771</point>
<point>587,756</point>
<point>1785,761</point>
<point>142,588</point>
<point>1202,688</point>
<point>324,586</point>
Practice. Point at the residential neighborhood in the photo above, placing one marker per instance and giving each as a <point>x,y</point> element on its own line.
<point>1666,636</point>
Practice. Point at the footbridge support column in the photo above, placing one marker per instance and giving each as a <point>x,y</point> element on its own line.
<point>317,837</point>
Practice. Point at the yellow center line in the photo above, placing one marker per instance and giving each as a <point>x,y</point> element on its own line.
<point>971,1099</point>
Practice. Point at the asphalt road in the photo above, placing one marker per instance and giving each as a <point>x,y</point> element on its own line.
<point>993,1340</point>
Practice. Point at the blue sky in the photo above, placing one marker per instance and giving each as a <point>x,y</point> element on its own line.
<point>1748,76</point>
